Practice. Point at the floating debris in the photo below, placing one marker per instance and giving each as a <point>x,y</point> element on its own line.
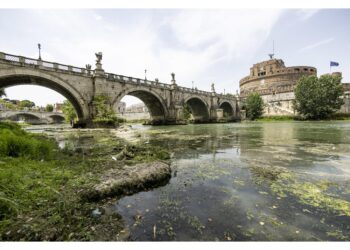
<point>154,231</point>
<point>96,212</point>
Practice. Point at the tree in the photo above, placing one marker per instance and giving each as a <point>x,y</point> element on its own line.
<point>69,111</point>
<point>49,108</point>
<point>26,104</point>
<point>254,106</point>
<point>2,92</point>
<point>104,111</point>
<point>187,112</point>
<point>318,98</point>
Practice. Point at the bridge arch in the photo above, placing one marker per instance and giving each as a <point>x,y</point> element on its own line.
<point>154,102</point>
<point>228,108</point>
<point>199,108</point>
<point>56,118</point>
<point>24,116</point>
<point>25,76</point>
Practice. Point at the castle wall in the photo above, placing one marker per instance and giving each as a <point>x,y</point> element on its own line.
<point>278,104</point>
<point>275,83</point>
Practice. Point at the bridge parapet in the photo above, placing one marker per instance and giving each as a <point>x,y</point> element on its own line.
<point>36,63</point>
<point>157,84</point>
<point>63,68</point>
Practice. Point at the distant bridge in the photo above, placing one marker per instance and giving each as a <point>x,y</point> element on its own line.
<point>165,102</point>
<point>32,117</point>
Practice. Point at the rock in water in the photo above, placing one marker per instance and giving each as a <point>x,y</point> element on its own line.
<point>129,180</point>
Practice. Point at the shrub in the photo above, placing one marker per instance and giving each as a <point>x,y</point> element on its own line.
<point>254,106</point>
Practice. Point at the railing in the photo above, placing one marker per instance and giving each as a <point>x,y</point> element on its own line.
<point>138,81</point>
<point>42,64</point>
<point>114,77</point>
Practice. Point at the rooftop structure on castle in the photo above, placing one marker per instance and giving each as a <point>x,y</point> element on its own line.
<point>272,76</point>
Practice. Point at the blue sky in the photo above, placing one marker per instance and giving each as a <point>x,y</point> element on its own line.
<point>203,46</point>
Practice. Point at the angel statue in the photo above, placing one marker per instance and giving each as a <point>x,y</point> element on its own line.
<point>99,57</point>
<point>212,88</point>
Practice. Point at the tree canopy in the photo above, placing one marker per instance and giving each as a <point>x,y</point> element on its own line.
<point>254,106</point>
<point>69,111</point>
<point>318,98</point>
<point>26,104</point>
<point>2,92</point>
<point>49,108</point>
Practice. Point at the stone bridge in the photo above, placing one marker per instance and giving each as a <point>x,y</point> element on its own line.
<point>32,117</point>
<point>165,102</point>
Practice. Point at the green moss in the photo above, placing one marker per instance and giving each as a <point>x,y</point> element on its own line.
<point>312,195</point>
<point>338,234</point>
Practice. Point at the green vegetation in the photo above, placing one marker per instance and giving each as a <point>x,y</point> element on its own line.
<point>187,112</point>
<point>26,104</point>
<point>340,116</point>
<point>277,118</point>
<point>17,143</point>
<point>49,108</point>
<point>318,98</point>
<point>254,106</point>
<point>284,183</point>
<point>8,105</point>
<point>69,112</point>
<point>104,112</point>
<point>41,185</point>
<point>2,92</point>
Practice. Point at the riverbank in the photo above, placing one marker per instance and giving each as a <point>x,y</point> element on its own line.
<point>42,185</point>
<point>334,117</point>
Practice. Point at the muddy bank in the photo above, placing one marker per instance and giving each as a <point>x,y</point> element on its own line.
<point>129,180</point>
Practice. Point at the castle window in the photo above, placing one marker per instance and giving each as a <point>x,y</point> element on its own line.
<point>297,69</point>
<point>305,69</point>
<point>312,70</point>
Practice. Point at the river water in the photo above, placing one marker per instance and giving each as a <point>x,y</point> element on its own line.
<point>246,181</point>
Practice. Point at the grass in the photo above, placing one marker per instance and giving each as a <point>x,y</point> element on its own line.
<point>276,118</point>
<point>336,116</point>
<point>40,186</point>
<point>17,143</point>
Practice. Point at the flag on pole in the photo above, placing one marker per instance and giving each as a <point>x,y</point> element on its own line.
<point>334,64</point>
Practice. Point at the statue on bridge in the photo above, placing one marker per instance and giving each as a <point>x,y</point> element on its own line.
<point>173,78</point>
<point>98,57</point>
<point>99,70</point>
<point>213,88</point>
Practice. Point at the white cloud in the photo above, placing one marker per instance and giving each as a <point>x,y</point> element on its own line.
<point>97,17</point>
<point>317,44</point>
<point>305,14</point>
<point>190,43</point>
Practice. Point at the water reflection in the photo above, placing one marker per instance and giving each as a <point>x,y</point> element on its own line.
<point>230,183</point>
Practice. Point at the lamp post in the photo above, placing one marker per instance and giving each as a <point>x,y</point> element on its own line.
<point>39,47</point>
<point>145,74</point>
<point>192,85</point>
